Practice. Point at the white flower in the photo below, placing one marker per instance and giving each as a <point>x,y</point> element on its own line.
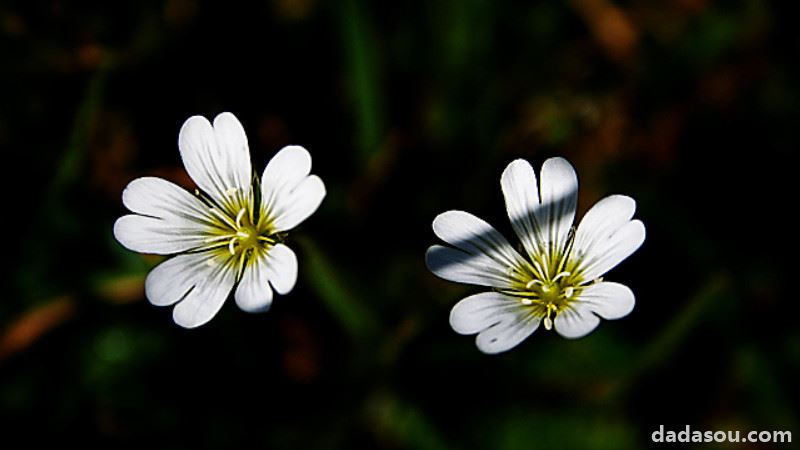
<point>557,282</point>
<point>229,232</point>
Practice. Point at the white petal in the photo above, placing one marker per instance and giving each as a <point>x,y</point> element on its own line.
<point>156,197</point>
<point>282,268</point>
<point>501,321</point>
<point>478,312</point>
<point>576,321</point>
<point>506,335</point>
<point>172,220</point>
<point>290,208</point>
<point>476,237</point>
<point>601,221</point>
<point>217,160</point>
<point>157,236</point>
<point>455,265</point>
<point>608,300</point>
<point>254,293</point>
<point>169,281</point>
<point>198,147</point>
<point>522,199</point>
<point>233,147</point>
<point>284,172</point>
<point>559,198</point>
<point>203,302</point>
<point>607,253</point>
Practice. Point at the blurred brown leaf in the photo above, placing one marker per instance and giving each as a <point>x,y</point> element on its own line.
<point>32,325</point>
<point>180,12</point>
<point>112,146</point>
<point>122,289</point>
<point>611,27</point>
<point>301,355</point>
<point>13,25</point>
<point>294,9</point>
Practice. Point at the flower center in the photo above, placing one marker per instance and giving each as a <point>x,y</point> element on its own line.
<point>547,298</point>
<point>247,234</point>
<point>241,232</point>
<point>547,285</point>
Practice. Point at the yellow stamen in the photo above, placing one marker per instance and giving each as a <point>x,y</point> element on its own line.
<point>224,217</point>
<point>231,245</point>
<point>562,274</point>
<point>239,218</point>
<point>548,322</point>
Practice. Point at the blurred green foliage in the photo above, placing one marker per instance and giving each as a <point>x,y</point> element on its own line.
<point>408,109</point>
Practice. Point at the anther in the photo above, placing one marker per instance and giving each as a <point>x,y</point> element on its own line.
<point>239,218</point>
<point>548,322</point>
<point>527,301</point>
<point>568,291</point>
<point>531,283</point>
<point>231,192</point>
<point>231,244</point>
<point>562,274</point>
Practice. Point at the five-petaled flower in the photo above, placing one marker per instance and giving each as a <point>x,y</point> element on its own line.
<point>230,232</point>
<point>557,282</point>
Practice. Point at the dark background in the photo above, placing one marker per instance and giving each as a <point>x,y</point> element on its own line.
<point>409,109</point>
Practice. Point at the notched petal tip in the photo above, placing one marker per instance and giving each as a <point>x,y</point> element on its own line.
<point>192,124</point>
<point>254,294</point>
<point>504,336</point>
<point>120,231</point>
<point>609,300</point>
<point>137,190</point>
<point>623,199</point>
<point>282,269</point>
<point>226,116</point>
<point>187,322</point>
<point>438,258</point>
<point>575,325</point>
<point>228,128</point>
<point>428,257</point>
<point>497,319</point>
<point>294,154</point>
<point>131,235</point>
<point>519,163</point>
<point>443,223</point>
<point>560,165</point>
<point>299,204</point>
<point>641,231</point>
